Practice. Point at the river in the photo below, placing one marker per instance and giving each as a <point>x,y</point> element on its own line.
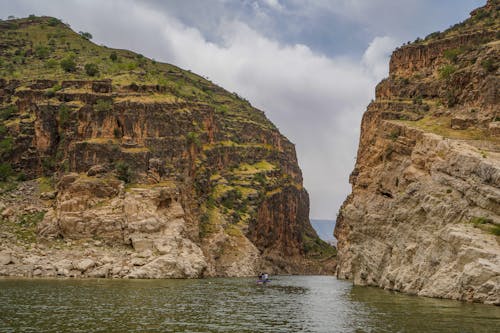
<point>287,304</point>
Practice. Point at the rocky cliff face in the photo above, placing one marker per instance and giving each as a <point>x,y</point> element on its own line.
<point>139,168</point>
<point>424,213</point>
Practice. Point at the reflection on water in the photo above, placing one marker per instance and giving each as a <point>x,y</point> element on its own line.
<point>287,304</point>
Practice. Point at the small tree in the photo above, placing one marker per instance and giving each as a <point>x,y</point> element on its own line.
<point>123,171</point>
<point>68,64</point>
<point>446,71</point>
<point>86,35</point>
<point>113,56</point>
<point>53,21</point>
<point>489,65</point>
<point>42,51</point>
<point>91,69</point>
<point>102,105</point>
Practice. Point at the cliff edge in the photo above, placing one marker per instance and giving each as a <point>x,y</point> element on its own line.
<point>424,213</point>
<point>115,165</point>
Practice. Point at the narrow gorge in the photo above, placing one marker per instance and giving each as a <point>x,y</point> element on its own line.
<point>424,213</point>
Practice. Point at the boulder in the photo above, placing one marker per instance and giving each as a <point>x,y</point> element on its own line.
<point>142,244</point>
<point>84,264</point>
<point>95,170</point>
<point>5,258</point>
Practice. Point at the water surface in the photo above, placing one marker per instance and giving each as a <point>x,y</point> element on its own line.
<point>287,304</point>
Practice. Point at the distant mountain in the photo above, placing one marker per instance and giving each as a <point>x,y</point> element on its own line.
<point>324,228</point>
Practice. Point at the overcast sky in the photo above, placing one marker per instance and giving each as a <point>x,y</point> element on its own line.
<point>311,65</point>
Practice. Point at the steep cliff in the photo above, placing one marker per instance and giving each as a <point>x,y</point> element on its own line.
<point>127,167</point>
<point>424,213</point>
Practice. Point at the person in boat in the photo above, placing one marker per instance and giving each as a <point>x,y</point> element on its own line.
<point>260,276</point>
<point>265,277</point>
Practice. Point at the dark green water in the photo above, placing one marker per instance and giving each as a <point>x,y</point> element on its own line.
<point>287,304</point>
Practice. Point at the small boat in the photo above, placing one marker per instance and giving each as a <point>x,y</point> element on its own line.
<point>263,278</point>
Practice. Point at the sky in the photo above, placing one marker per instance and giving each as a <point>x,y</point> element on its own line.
<point>311,65</point>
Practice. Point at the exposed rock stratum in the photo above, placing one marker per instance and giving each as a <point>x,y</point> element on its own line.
<point>424,213</point>
<point>115,165</point>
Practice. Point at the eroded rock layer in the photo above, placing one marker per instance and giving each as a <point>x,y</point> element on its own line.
<point>424,213</point>
<point>140,168</point>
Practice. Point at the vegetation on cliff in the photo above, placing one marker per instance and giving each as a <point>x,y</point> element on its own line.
<point>424,212</point>
<point>68,105</point>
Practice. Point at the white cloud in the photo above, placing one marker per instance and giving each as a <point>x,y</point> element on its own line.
<point>376,55</point>
<point>274,4</point>
<point>316,101</point>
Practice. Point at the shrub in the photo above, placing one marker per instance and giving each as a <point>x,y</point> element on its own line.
<point>19,60</point>
<point>117,133</point>
<point>446,71</point>
<point>7,112</point>
<point>51,63</point>
<point>232,198</point>
<point>260,178</point>
<point>436,34</point>
<point>86,35</point>
<point>113,56</point>
<point>480,220</point>
<point>481,14</point>
<point>489,65</point>
<point>21,177</point>
<point>103,105</point>
<point>131,66</point>
<point>42,51</point>
<point>452,54</point>
<point>5,171</point>
<point>394,135</point>
<point>123,171</point>
<point>91,69</point>
<point>223,109</point>
<point>68,64</point>
<point>6,145</point>
<point>31,219</point>
<point>52,91</point>
<point>48,165</point>
<point>451,99</point>
<point>192,138</point>
<point>53,21</point>
<point>64,115</point>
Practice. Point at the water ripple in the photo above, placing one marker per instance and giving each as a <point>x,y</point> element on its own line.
<point>287,304</point>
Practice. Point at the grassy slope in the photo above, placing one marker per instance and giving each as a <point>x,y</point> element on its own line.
<point>34,47</point>
<point>476,60</point>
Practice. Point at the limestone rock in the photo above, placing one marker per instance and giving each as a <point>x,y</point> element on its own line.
<point>424,212</point>
<point>96,169</point>
<point>85,264</point>
<point>5,258</point>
